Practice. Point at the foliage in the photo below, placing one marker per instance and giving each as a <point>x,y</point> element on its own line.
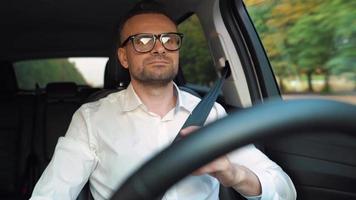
<point>30,73</point>
<point>307,37</point>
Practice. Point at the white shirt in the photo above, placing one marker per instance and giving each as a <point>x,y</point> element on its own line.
<point>109,139</point>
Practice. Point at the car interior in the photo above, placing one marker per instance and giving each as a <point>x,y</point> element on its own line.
<point>322,166</point>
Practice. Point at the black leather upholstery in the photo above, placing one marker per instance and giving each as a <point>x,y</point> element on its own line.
<point>8,83</point>
<point>62,90</point>
<point>55,110</point>
<point>16,126</point>
<point>115,74</point>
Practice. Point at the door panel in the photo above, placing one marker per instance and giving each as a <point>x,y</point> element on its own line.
<point>321,166</point>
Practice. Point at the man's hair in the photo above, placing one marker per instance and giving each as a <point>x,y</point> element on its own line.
<point>142,7</point>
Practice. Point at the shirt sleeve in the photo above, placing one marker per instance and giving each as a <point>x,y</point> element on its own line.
<point>71,165</point>
<point>275,183</point>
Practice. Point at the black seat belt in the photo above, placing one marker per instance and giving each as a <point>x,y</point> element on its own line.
<point>202,110</point>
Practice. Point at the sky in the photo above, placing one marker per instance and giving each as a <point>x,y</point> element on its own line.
<point>92,69</point>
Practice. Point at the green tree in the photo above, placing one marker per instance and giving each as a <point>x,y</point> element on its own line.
<point>323,39</point>
<point>195,58</point>
<point>343,25</point>
<point>273,19</point>
<point>30,73</point>
<point>307,37</point>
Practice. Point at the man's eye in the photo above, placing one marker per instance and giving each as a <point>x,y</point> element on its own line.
<point>144,40</point>
<point>166,39</point>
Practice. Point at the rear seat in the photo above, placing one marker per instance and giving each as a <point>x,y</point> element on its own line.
<point>16,128</point>
<point>30,126</point>
<point>56,107</point>
<point>54,113</point>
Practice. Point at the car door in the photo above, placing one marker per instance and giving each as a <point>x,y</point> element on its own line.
<point>284,41</point>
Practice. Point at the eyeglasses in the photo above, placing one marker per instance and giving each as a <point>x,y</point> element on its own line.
<point>145,42</point>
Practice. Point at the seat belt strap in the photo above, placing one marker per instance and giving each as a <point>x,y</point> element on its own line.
<point>202,110</point>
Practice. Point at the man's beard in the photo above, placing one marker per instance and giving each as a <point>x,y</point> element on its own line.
<point>150,75</point>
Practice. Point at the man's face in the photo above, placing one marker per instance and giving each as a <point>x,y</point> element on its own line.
<point>158,66</point>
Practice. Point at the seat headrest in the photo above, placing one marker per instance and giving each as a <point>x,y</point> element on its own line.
<point>115,75</point>
<point>61,90</point>
<point>8,82</point>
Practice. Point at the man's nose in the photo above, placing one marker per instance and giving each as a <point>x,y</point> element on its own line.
<point>158,48</point>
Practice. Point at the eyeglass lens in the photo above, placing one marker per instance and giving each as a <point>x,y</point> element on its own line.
<point>146,42</point>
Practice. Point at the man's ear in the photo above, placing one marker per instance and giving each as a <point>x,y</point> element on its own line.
<point>121,54</point>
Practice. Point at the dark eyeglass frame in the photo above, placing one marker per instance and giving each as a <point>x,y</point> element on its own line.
<point>155,37</point>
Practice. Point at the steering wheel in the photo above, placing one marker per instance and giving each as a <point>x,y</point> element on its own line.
<point>269,120</point>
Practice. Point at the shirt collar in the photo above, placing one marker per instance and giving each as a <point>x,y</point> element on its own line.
<point>132,101</point>
<point>182,100</point>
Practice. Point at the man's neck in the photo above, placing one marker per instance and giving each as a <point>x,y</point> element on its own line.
<point>159,99</point>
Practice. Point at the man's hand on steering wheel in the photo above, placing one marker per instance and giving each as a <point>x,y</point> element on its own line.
<point>239,177</point>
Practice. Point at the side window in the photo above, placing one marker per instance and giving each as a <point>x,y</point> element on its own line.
<point>82,71</point>
<point>311,45</point>
<point>195,58</point>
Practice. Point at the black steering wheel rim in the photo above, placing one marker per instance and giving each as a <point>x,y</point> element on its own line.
<point>274,119</point>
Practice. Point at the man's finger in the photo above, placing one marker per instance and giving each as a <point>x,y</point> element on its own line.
<point>188,130</point>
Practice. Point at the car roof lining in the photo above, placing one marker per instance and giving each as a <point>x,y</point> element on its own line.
<point>48,28</point>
